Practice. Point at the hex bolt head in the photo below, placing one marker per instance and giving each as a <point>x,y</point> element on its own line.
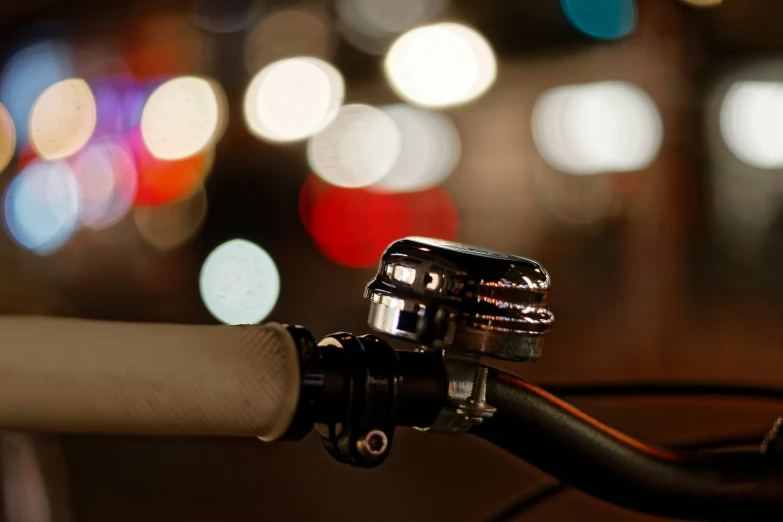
<point>373,444</point>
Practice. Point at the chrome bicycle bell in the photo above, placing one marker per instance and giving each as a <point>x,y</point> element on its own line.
<point>461,298</point>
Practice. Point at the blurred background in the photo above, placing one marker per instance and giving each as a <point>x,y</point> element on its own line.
<point>236,161</point>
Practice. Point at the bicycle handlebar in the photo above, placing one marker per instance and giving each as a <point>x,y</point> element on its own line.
<point>69,375</point>
<point>269,381</point>
<point>564,442</point>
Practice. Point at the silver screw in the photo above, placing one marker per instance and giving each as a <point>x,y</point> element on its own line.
<point>476,409</point>
<point>479,391</point>
<point>373,444</point>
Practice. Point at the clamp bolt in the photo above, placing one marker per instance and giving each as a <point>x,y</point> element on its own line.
<point>476,409</point>
<point>373,444</point>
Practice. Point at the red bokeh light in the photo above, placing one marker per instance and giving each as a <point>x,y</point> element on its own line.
<point>352,227</point>
<point>162,181</point>
<point>26,156</point>
<point>313,188</point>
<point>434,214</point>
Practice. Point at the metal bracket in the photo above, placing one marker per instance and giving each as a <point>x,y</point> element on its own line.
<point>467,390</point>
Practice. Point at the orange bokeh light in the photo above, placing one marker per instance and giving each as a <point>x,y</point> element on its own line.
<point>165,44</point>
<point>162,181</point>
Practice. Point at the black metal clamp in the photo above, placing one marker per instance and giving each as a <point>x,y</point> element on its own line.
<point>356,390</point>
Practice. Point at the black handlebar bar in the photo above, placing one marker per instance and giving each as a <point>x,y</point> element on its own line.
<point>564,442</point>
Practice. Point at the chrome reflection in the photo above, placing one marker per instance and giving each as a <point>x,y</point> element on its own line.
<point>461,298</point>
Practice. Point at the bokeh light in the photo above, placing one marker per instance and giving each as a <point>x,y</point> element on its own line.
<point>25,156</point>
<point>745,138</point>
<point>239,282</point>
<point>440,65</point>
<point>703,3</point>
<point>225,16</point>
<point>747,204</point>
<point>358,148</point>
<point>27,74</point>
<point>182,117</point>
<point>598,127</point>
<point>751,122</point>
<point>162,181</point>
<point>106,176</point>
<point>429,153</point>
<point>164,44</point>
<point>7,137</point>
<point>169,226</point>
<point>41,206</point>
<point>352,227</point>
<point>286,34</point>
<point>601,19</point>
<point>293,99</point>
<point>119,102</point>
<point>63,119</point>
<point>369,25</point>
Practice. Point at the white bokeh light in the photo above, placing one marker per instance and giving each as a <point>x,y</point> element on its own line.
<point>239,283</point>
<point>440,65</point>
<point>182,117</point>
<point>751,122</point>
<point>598,127</point>
<point>293,99</point>
<point>41,206</point>
<point>107,179</point>
<point>430,149</point>
<point>62,119</point>
<point>357,149</point>
<point>744,135</point>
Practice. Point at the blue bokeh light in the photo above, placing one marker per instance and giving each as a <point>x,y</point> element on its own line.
<point>601,19</point>
<point>41,206</point>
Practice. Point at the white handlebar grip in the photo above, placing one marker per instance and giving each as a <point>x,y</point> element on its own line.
<point>69,375</point>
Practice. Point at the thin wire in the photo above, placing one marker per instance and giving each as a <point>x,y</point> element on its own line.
<point>530,501</point>
<point>727,443</point>
<point>619,390</point>
<point>552,490</point>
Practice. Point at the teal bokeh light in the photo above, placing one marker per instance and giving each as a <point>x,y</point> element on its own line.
<point>601,19</point>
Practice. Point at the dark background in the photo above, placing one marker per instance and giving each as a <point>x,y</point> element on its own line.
<point>658,287</point>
